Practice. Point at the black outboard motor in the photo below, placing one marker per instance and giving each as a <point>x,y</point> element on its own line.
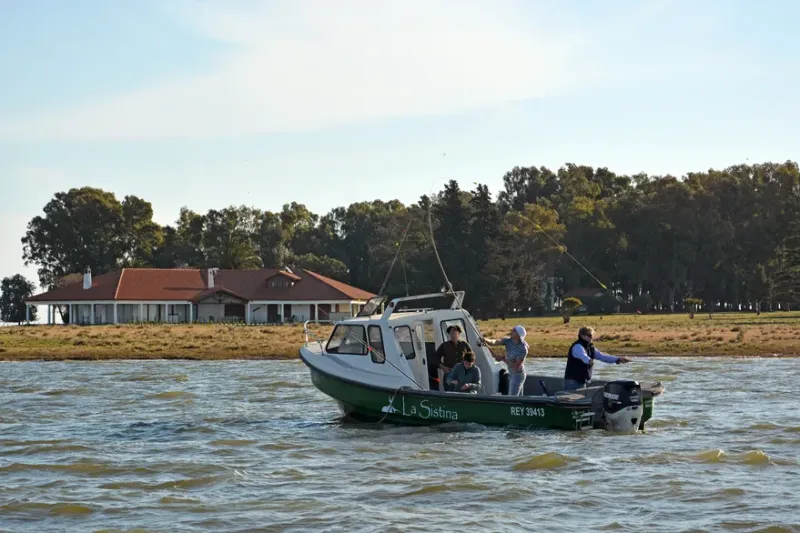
<point>622,404</point>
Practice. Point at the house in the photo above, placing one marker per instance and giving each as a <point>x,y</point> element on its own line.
<point>186,295</point>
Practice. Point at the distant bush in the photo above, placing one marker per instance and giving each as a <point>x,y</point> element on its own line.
<point>602,305</point>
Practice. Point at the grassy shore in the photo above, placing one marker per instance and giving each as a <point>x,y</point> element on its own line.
<point>731,334</point>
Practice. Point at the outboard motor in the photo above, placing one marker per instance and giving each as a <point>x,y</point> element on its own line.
<point>622,405</point>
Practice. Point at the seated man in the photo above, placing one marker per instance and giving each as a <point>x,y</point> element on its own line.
<point>450,353</point>
<point>465,376</point>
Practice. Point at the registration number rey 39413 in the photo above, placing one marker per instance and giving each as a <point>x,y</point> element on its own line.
<point>527,411</point>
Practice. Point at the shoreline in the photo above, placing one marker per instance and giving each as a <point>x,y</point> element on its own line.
<point>733,335</point>
<point>161,357</point>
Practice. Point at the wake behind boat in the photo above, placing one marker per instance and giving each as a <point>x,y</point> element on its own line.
<point>380,366</point>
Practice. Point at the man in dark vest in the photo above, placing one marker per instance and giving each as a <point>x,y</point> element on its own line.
<point>450,353</point>
<point>580,360</point>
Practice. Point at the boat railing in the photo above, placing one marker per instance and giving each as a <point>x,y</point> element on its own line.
<point>307,331</point>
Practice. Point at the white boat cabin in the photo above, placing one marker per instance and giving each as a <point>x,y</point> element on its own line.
<point>397,347</point>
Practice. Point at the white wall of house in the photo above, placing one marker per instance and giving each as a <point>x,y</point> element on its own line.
<point>104,313</point>
<point>82,313</point>
<point>208,311</point>
<point>127,313</point>
<point>152,312</point>
<point>258,313</point>
<point>301,311</point>
<point>177,313</point>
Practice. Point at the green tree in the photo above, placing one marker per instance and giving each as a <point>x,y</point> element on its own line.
<point>89,227</point>
<point>228,238</point>
<point>13,292</point>
<point>327,266</point>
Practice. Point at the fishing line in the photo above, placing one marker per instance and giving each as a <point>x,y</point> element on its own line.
<point>563,249</point>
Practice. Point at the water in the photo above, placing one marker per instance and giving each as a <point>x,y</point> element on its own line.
<point>244,446</point>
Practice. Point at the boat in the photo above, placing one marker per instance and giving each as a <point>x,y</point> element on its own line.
<point>380,366</point>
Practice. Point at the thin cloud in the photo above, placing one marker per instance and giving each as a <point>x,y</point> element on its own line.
<point>308,65</point>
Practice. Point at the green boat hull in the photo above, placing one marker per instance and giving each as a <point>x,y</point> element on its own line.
<point>415,407</point>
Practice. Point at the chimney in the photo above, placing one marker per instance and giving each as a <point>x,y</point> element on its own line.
<point>211,278</point>
<point>87,278</point>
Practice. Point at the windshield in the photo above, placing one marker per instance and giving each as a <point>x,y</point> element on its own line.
<point>372,306</point>
<point>348,340</point>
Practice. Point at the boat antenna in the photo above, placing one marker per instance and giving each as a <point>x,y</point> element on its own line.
<point>448,286</point>
<point>397,253</point>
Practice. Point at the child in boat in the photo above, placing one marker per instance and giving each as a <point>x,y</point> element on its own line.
<point>465,376</point>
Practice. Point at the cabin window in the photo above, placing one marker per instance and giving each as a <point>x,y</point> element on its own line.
<point>454,322</point>
<point>403,336</point>
<point>376,343</point>
<point>349,340</point>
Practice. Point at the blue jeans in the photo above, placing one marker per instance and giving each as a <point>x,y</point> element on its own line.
<point>572,384</point>
<point>515,382</point>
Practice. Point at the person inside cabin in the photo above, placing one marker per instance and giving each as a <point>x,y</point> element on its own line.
<point>580,360</point>
<point>465,376</point>
<point>514,356</point>
<point>450,353</point>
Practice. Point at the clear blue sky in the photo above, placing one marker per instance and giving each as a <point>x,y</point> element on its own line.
<point>209,103</point>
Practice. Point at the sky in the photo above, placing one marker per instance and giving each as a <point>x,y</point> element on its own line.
<point>210,103</point>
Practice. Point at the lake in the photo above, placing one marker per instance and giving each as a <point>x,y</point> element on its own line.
<point>253,446</point>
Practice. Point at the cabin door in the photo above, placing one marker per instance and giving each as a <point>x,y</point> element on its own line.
<point>419,364</point>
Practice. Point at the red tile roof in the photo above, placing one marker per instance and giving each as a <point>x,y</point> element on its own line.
<point>161,283</point>
<point>103,287</point>
<point>200,296</point>
<point>184,284</point>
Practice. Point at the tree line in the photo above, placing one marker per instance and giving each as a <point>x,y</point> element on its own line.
<point>729,238</point>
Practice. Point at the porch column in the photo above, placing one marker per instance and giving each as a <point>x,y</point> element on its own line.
<point>248,313</point>
<point>27,313</point>
<point>91,313</point>
<point>71,314</point>
<point>191,313</point>
<point>115,312</point>
<point>316,311</point>
<point>280,310</point>
<point>165,318</point>
<point>141,312</point>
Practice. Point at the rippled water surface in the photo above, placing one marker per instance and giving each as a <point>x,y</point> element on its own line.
<point>244,446</point>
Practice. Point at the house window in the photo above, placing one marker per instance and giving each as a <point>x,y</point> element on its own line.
<point>376,344</point>
<point>403,336</point>
<point>349,340</point>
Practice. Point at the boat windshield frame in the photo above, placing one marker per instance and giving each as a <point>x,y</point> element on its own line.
<point>372,307</point>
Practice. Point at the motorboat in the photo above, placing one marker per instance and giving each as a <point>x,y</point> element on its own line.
<point>381,366</point>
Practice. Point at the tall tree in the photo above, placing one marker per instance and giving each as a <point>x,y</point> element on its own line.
<point>87,227</point>
<point>228,238</point>
<point>13,292</point>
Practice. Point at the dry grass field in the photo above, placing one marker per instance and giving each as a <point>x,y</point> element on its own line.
<point>732,334</point>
